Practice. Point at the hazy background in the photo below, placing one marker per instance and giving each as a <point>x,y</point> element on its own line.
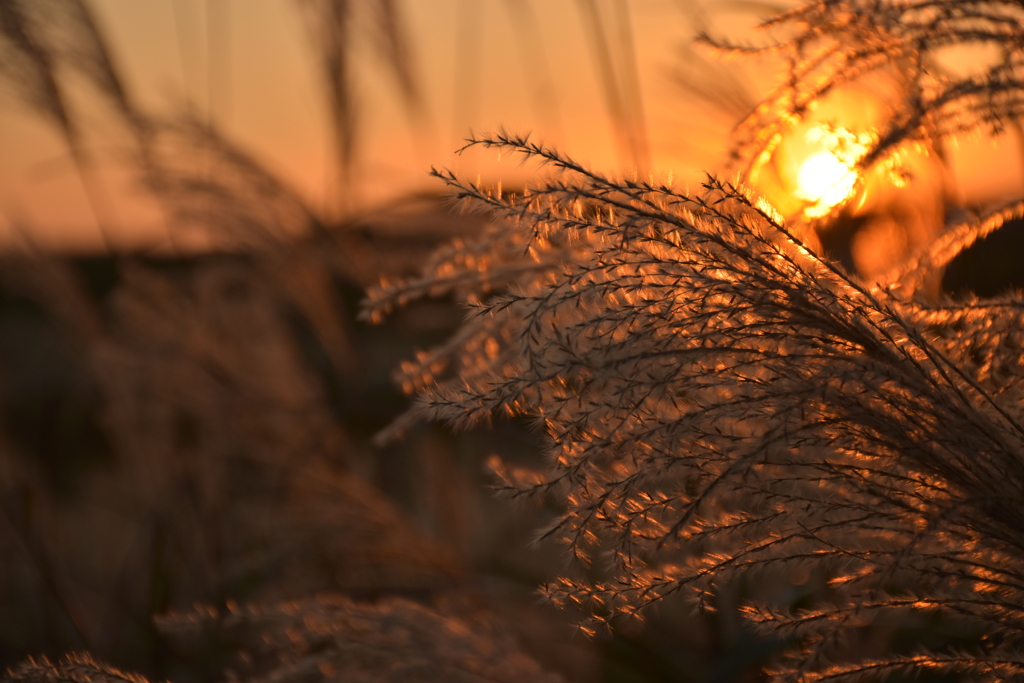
<point>616,84</point>
<point>249,67</point>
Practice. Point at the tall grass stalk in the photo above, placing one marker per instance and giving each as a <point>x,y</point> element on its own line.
<point>724,404</point>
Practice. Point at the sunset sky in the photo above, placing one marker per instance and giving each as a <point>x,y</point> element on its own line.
<point>247,66</point>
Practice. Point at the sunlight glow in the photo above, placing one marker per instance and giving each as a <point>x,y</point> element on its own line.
<point>826,181</point>
<point>827,176</point>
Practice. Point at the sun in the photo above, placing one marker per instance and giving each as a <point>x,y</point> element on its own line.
<point>825,181</point>
<point>822,170</point>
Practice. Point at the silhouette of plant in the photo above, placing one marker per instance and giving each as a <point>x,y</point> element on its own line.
<point>330,636</point>
<point>724,403</point>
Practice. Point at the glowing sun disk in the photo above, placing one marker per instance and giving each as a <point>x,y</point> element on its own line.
<point>825,180</point>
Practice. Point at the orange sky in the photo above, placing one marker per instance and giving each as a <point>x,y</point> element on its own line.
<point>259,83</point>
<point>265,94</point>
